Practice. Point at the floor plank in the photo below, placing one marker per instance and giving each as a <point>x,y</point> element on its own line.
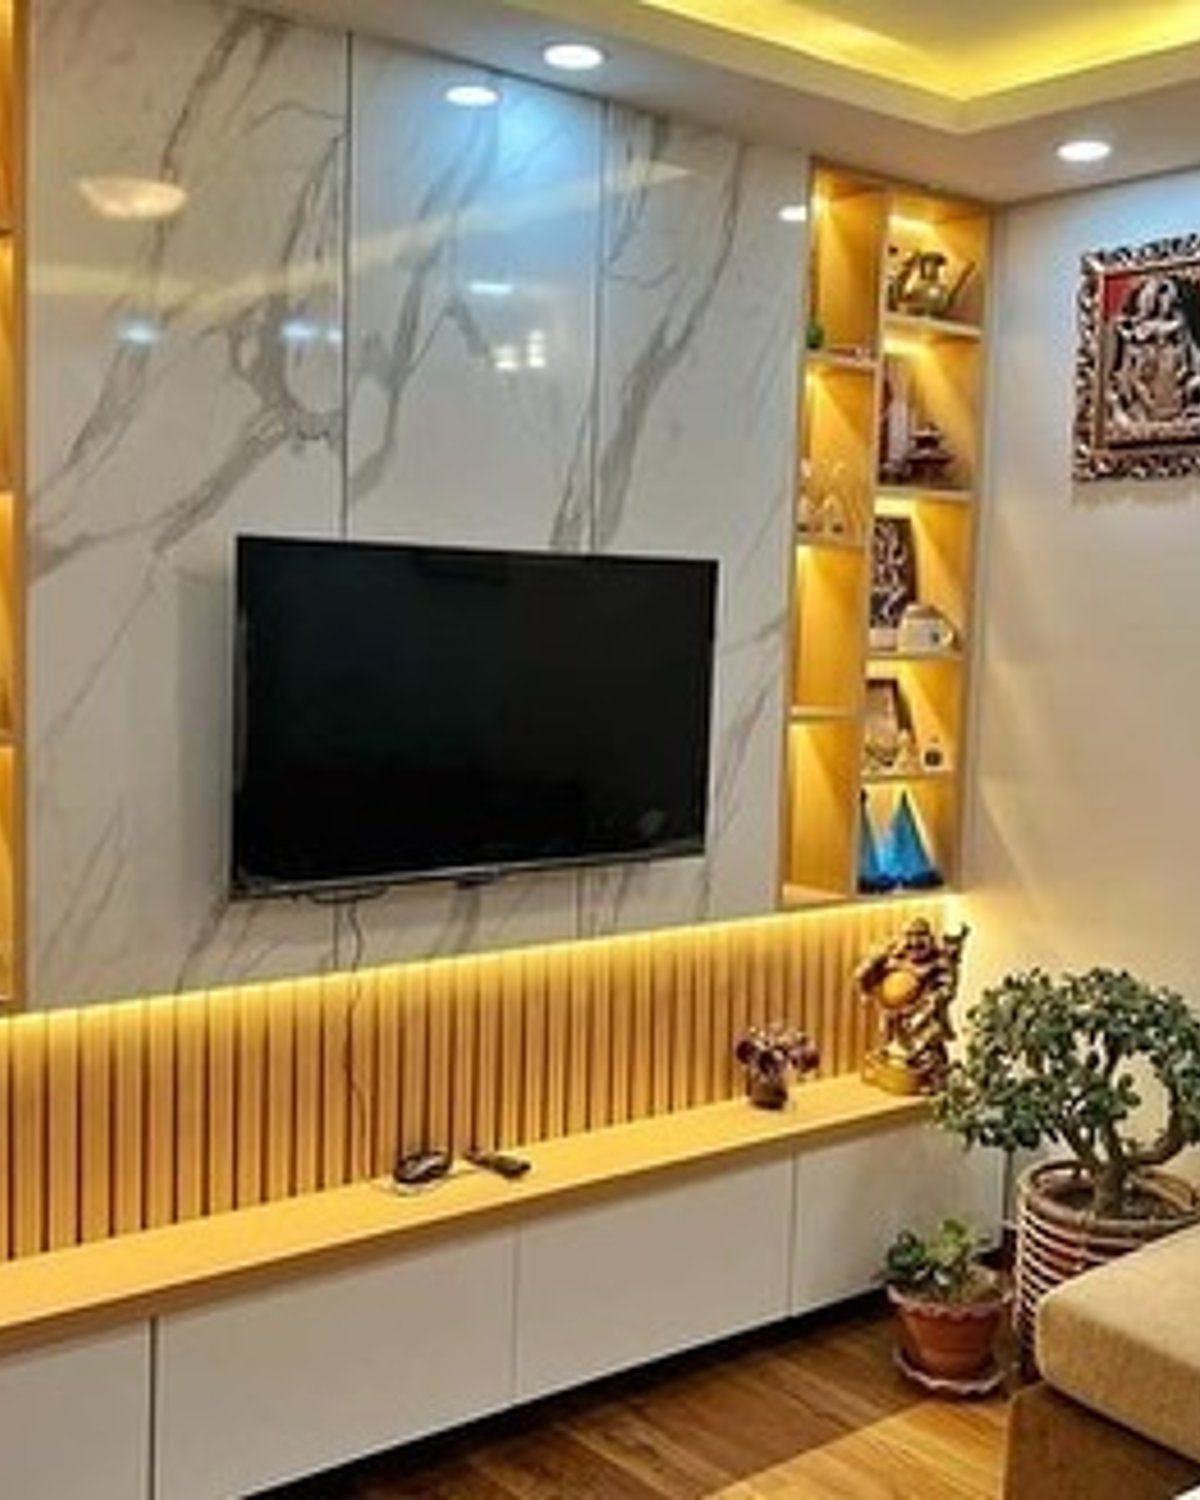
<point>811,1411</point>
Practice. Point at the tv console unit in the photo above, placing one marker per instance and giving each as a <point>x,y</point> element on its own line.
<point>222,1356</point>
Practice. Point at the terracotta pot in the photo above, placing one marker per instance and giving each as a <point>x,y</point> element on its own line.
<point>1057,1238</point>
<point>949,1340</point>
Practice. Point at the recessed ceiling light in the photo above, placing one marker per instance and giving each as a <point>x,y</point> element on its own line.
<point>573,57</point>
<point>794,213</point>
<point>472,95</point>
<point>1081,152</point>
<point>132,197</point>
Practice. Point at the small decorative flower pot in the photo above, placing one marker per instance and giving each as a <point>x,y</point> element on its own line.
<point>769,1055</point>
<point>766,1090</point>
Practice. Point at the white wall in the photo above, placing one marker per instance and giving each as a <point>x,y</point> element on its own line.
<point>278,398</point>
<point>1085,841</point>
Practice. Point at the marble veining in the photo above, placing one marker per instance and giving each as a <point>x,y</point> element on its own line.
<point>472,371</point>
<point>567,325</point>
<point>696,402</point>
<point>187,377</point>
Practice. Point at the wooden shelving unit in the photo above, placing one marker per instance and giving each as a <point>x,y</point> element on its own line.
<point>851,472</point>
<point>12,528</point>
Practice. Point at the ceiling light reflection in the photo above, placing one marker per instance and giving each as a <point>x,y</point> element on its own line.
<point>472,95</point>
<point>573,57</point>
<point>132,198</point>
<point>1081,153</point>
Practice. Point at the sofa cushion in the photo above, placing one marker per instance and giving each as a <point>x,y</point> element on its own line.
<point>1124,1340</point>
<point>1058,1450</point>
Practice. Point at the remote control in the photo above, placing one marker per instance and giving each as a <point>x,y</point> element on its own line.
<point>508,1167</point>
<point>419,1168</point>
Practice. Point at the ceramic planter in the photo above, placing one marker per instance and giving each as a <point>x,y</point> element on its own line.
<point>1057,1238</point>
<point>950,1342</point>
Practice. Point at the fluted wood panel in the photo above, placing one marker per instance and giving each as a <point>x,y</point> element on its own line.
<point>122,1117</point>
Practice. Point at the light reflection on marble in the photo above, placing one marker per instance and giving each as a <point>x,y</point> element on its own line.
<point>187,383</point>
<point>697,399</point>
<point>472,358</point>
<point>168,411</point>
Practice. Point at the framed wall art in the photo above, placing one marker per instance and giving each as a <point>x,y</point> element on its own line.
<point>1137,380</point>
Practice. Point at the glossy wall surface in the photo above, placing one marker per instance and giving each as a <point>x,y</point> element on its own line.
<point>1086,823</point>
<point>556,323</point>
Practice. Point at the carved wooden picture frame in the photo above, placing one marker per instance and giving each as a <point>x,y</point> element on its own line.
<point>1137,372</point>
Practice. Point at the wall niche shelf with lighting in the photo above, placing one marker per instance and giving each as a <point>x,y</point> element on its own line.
<point>889,444</point>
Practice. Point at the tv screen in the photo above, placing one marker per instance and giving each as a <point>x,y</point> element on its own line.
<point>406,713</point>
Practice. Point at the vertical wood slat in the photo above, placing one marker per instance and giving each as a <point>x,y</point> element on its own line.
<point>490,1082</point>
<point>335,1081</point>
<point>621,1030</point>
<point>414,1059</point>
<point>600,1042</point>
<point>27,1126</point>
<point>129,1123</point>
<point>62,1122</point>
<point>360,1023</point>
<point>641,1055</point>
<point>96,1155</point>
<point>222,1109</point>
<point>306,1085</point>
<point>557,1024</point>
<point>191,1098</point>
<point>250,1098</point>
<point>122,1117</point>
<point>512,1048</point>
<point>388,1045</point>
<point>462,1063</point>
<point>159,1207</point>
<point>439,1053</point>
<point>534,985</point>
<point>280,1123</point>
<point>578,1001</point>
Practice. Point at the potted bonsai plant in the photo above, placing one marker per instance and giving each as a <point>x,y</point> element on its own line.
<point>768,1055</point>
<point>1076,1063</point>
<point>949,1306</point>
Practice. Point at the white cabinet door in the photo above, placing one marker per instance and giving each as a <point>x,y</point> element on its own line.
<point>854,1197</point>
<point>615,1283</point>
<point>273,1385</point>
<point>75,1419</point>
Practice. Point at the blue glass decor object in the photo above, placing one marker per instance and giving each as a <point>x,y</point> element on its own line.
<point>904,857</point>
<point>872,876</point>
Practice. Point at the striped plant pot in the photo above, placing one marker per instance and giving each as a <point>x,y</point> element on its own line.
<point>1056,1241</point>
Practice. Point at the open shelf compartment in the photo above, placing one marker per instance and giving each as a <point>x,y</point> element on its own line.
<point>890,426</point>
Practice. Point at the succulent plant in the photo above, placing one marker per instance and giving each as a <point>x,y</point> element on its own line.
<point>941,1267</point>
<point>1066,1061</point>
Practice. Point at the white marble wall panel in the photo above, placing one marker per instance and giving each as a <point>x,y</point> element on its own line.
<point>568,326</point>
<point>186,378</point>
<point>697,385</point>
<point>472,360</point>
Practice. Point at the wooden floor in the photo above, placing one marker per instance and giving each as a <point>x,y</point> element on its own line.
<point>813,1410</point>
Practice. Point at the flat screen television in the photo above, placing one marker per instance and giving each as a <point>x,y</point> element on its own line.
<point>409,713</point>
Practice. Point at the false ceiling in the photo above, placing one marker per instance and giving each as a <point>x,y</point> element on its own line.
<point>966,95</point>
<point>962,49</point>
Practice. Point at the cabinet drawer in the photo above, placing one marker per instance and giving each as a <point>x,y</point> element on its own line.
<point>616,1283</point>
<point>854,1197</point>
<point>267,1387</point>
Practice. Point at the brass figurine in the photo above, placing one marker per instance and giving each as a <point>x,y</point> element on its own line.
<point>912,981</point>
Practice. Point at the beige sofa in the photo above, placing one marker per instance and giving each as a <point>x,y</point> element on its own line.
<point>1118,1412</point>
